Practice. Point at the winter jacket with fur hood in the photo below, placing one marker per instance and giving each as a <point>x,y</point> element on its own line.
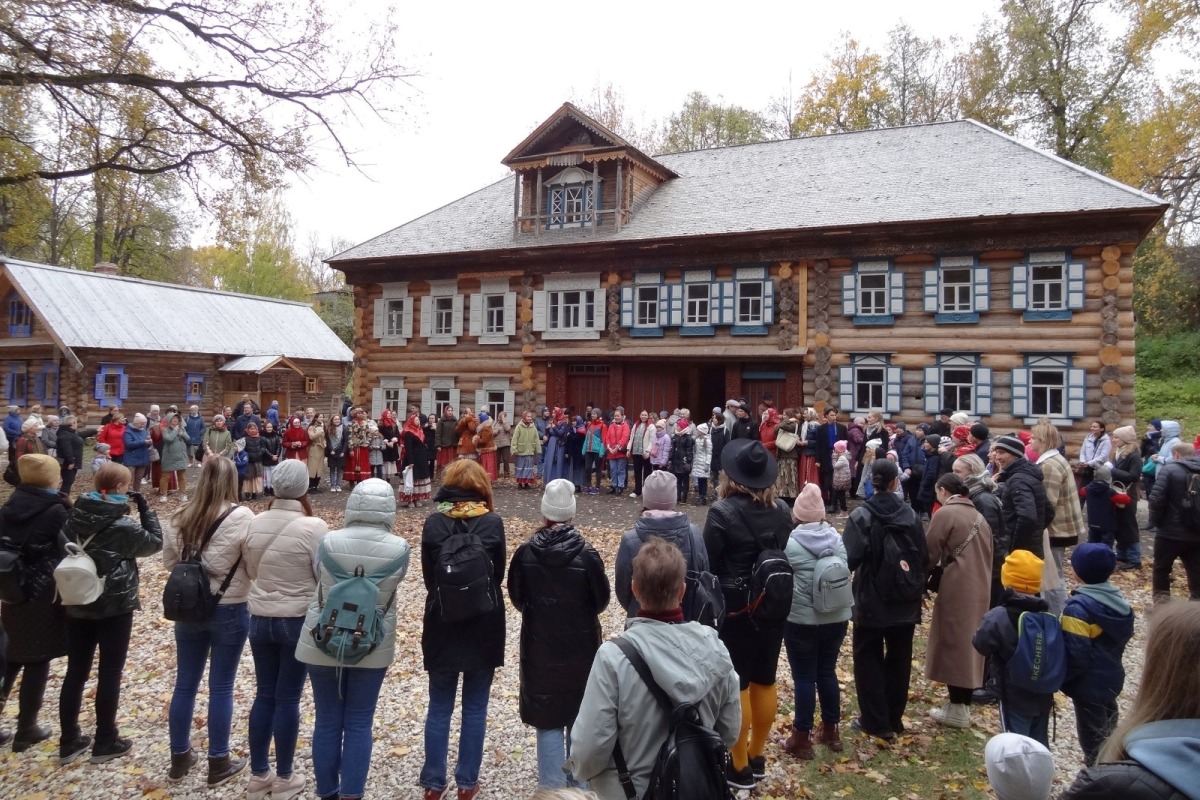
<point>366,541</point>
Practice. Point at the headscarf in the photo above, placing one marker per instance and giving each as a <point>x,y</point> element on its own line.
<point>557,416</point>
<point>388,417</point>
<point>412,425</point>
<point>448,412</point>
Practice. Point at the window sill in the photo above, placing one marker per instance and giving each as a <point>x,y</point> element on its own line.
<point>748,330</point>
<point>394,341</point>
<point>442,341</point>
<point>577,333</point>
<point>646,333</point>
<point>698,330</point>
<point>493,338</point>
<point>874,319</point>
<point>956,317</point>
<point>1047,316</point>
<point>1057,420</point>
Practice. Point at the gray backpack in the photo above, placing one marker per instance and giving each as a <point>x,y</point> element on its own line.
<point>831,586</point>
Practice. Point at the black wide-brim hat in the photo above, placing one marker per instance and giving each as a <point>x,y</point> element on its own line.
<point>748,462</point>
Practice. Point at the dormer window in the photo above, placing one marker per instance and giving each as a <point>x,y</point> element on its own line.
<point>571,198</point>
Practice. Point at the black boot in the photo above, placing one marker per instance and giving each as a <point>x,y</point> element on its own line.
<point>224,769</point>
<point>181,763</point>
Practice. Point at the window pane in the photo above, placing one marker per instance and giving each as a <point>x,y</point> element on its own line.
<point>872,294</point>
<point>1047,389</point>
<point>750,297</point>
<point>697,303</point>
<point>1047,288</point>
<point>394,321</point>
<point>647,306</point>
<point>494,308</point>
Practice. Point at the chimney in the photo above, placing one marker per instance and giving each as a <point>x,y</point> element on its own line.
<point>105,268</point>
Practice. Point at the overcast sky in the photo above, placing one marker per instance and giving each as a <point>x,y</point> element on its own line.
<point>491,72</point>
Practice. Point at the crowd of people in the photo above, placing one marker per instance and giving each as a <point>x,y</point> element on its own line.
<point>983,524</point>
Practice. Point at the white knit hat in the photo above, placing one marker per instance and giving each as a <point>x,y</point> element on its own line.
<point>1018,767</point>
<point>558,501</point>
<point>290,479</point>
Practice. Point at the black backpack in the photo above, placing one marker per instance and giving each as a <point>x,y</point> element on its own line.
<point>769,595</point>
<point>898,565</point>
<point>187,596</point>
<point>703,602</point>
<point>464,578</point>
<point>1189,505</point>
<point>13,590</point>
<point>692,762</point>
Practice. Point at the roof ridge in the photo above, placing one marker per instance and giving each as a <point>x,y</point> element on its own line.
<point>815,136</point>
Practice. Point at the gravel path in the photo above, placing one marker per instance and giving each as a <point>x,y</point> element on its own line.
<point>509,768</point>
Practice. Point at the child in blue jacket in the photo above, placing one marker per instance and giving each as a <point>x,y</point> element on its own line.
<point>1101,513</point>
<point>1097,623</point>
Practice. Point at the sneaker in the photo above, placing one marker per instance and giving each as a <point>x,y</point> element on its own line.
<point>758,767</point>
<point>740,779</point>
<point>289,787</point>
<point>115,749</point>
<point>26,738</point>
<point>633,494</point>
<point>259,788</point>
<point>952,715</point>
<point>70,752</point>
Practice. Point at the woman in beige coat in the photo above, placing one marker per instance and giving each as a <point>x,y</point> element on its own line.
<point>316,452</point>
<point>961,541</point>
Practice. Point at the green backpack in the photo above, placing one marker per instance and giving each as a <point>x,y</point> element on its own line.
<point>350,626</point>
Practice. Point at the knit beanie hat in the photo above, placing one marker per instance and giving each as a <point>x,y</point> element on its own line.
<point>1126,433</point>
<point>558,501</point>
<point>1093,562</point>
<point>961,418</point>
<point>1019,768</point>
<point>809,506</point>
<point>660,491</point>
<point>1022,572</point>
<point>39,470</point>
<point>961,433</point>
<point>289,479</point>
<point>839,446</point>
<point>1010,444</point>
<point>682,425</point>
<point>979,431</point>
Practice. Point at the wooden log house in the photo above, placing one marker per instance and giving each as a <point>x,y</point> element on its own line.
<point>906,269</point>
<point>92,340</point>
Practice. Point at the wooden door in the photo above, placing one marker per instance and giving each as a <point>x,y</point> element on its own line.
<point>268,397</point>
<point>586,383</point>
<point>650,387</point>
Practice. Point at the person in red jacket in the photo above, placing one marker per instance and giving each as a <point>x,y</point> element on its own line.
<point>616,449</point>
<point>295,440</point>
<point>113,435</point>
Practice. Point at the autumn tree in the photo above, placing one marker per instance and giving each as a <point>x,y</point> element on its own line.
<point>606,104</point>
<point>847,94</point>
<point>703,123</point>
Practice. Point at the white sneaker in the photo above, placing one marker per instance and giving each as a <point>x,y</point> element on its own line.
<point>633,494</point>
<point>183,498</point>
<point>952,715</point>
<point>260,788</point>
<point>287,788</point>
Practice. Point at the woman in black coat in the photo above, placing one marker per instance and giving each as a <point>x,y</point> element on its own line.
<point>557,582</point>
<point>69,452</point>
<point>1127,470</point>
<point>469,649</point>
<point>683,450</point>
<point>30,523</point>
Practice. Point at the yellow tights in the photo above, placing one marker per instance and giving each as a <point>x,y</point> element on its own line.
<point>759,707</point>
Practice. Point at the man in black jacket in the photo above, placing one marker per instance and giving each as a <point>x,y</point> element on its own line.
<point>1022,497</point>
<point>746,426</point>
<point>1176,530</point>
<point>828,432</point>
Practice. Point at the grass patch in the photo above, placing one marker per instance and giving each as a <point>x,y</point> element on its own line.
<point>1175,398</point>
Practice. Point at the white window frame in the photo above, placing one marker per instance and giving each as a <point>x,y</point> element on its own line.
<point>393,322</point>
<point>571,198</point>
<point>698,310</point>
<point>973,296</point>
<point>851,378</point>
<point>891,293</point>
<point>441,385</point>
<point>1071,285</point>
<point>757,321</point>
<point>389,394</point>
<point>547,307</point>
<point>647,305</point>
<point>1047,287</point>
<point>496,386</point>
<point>443,305</point>
<point>979,383</point>
<point>482,322</point>
<point>1072,386</point>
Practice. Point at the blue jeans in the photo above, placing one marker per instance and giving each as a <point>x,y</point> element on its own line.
<point>617,470</point>
<point>553,749</point>
<point>1130,553</point>
<point>341,742</point>
<point>280,681</point>
<point>443,686</point>
<point>1036,728</point>
<point>812,652</point>
<point>223,638</point>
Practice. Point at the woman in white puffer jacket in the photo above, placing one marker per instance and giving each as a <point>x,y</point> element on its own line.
<point>345,695</point>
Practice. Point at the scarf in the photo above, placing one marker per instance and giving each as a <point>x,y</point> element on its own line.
<point>674,616</point>
<point>462,509</point>
<point>413,425</point>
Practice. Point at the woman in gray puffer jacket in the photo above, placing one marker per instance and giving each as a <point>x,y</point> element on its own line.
<point>345,694</point>
<point>115,542</point>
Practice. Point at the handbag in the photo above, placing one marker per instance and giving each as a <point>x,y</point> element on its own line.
<point>154,454</point>
<point>933,581</point>
<point>786,441</point>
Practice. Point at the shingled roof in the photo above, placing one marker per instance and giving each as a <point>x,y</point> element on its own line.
<point>92,310</point>
<point>939,171</point>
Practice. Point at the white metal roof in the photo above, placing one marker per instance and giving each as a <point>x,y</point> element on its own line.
<point>256,364</point>
<point>92,310</point>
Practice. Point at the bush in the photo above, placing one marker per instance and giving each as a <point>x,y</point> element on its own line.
<point>1169,357</point>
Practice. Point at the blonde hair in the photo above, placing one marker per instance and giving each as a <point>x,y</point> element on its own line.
<point>1170,687</point>
<point>1047,435</point>
<point>215,492</point>
<point>110,476</point>
<point>730,487</point>
<point>467,474</point>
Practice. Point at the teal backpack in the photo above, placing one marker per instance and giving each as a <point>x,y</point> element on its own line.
<point>350,626</point>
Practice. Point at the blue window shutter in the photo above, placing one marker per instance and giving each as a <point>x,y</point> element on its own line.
<point>627,307</point>
<point>849,295</point>
<point>725,311</point>
<point>1075,286</point>
<point>896,287</point>
<point>932,295</point>
<point>98,394</point>
<point>599,299</point>
<point>675,303</point>
<point>933,390</point>
<point>1020,392</point>
<point>768,302</point>
<point>124,384</point>
<point>50,378</point>
<point>1020,292</point>
<point>891,401</point>
<point>846,388</point>
<point>1076,393</point>
<point>982,286</point>
<point>983,391</point>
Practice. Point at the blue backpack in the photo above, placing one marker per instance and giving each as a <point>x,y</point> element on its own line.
<point>350,626</point>
<point>1039,664</point>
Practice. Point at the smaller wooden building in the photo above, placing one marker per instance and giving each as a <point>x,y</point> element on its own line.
<point>92,340</point>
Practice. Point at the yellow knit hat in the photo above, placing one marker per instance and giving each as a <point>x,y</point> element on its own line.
<point>39,470</point>
<point>1022,572</point>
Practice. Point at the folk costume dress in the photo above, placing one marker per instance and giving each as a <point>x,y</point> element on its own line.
<point>358,454</point>
<point>415,455</point>
<point>447,437</point>
<point>527,446</point>
<point>485,445</point>
<point>389,430</point>
<point>295,441</point>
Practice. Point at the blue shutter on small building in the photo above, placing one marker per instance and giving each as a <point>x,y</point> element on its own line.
<point>981,281</point>
<point>891,402</point>
<point>1020,392</point>
<point>48,384</point>
<point>97,394</point>
<point>768,317</point>
<point>1020,289</point>
<point>932,290</point>
<point>723,311</point>
<point>627,307</point>
<point>1075,286</point>
<point>933,390</point>
<point>846,388</point>
<point>896,289</point>
<point>1076,393</point>
<point>983,391</point>
<point>674,293</point>
<point>849,295</point>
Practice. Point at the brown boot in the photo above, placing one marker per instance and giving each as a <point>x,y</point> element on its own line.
<point>829,736</point>
<point>181,764</point>
<point>799,745</point>
<point>224,769</point>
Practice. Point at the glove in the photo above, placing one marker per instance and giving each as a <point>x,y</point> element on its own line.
<point>140,500</point>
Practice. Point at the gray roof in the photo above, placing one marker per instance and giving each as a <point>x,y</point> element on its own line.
<point>92,310</point>
<point>949,170</point>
